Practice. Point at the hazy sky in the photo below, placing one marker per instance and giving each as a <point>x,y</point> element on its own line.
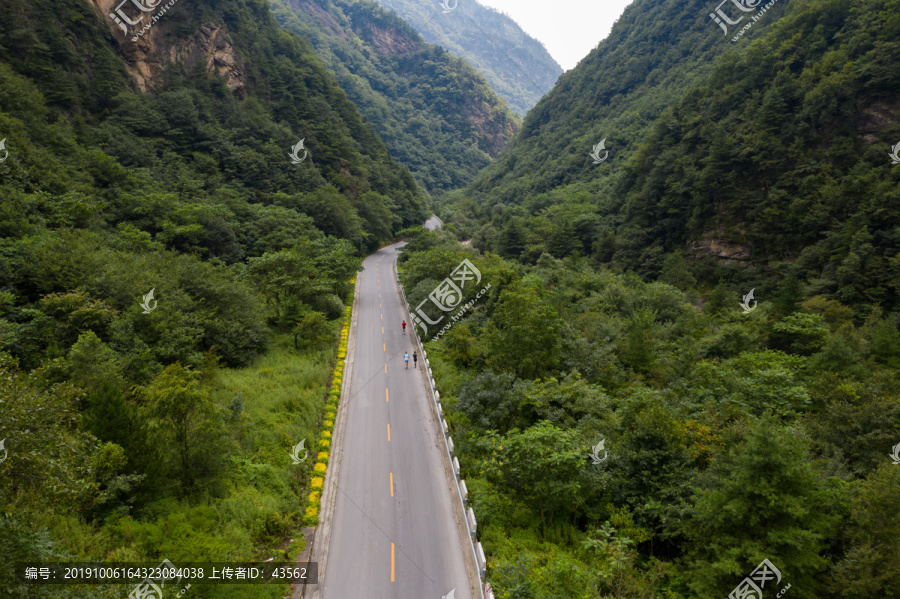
<point>569,29</point>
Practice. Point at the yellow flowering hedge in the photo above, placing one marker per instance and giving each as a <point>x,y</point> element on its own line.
<point>311,515</point>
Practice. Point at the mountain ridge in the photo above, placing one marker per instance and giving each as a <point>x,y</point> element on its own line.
<point>518,66</point>
<point>435,112</point>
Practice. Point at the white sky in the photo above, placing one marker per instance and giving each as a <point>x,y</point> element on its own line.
<point>569,29</point>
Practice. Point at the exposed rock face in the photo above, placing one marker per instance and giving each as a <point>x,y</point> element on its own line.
<point>875,118</point>
<point>726,251</point>
<point>148,56</point>
<point>389,41</point>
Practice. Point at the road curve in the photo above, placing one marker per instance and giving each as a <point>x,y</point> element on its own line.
<point>394,532</point>
<point>433,223</point>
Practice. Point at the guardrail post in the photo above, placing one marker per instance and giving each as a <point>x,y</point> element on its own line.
<point>482,562</point>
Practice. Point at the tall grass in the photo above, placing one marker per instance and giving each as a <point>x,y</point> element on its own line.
<point>259,512</point>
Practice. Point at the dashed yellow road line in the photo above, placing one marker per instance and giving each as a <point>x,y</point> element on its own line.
<point>382,330</point>
<point>386,395</point>
<point>392,484</point>
<point>385,367</point>
<point>389,433</point>
<point>384,346</point>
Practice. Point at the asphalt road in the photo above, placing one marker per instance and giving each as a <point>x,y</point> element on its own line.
<point>394,532</point>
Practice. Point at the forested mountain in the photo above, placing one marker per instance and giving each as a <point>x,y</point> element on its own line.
<point>683,381</point>
<point>160,228</point>
<point>436,114</point>
<point>769,152</point>
<point>516,65</point>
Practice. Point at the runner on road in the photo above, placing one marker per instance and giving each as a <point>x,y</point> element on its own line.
<point>415,359</point>
<point>406,359</point>
<point>404,327</point>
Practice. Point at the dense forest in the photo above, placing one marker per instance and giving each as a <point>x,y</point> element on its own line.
<point>710,311</point>
<point>722,438</point>
<point>517,66</point>
<point>172,281</point>
<point>436,113</point>
<point>687,360</point>
<point>774,158</point>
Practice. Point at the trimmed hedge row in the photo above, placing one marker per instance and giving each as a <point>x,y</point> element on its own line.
<point>313,502</point>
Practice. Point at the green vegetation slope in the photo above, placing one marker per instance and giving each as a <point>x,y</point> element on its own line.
<point>436,114</point>
<point>771,153</point>
<point>720,438</point>
<point>517,66</point>
<point>155,240</point>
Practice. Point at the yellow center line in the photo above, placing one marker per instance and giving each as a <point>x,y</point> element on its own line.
<point>384,346</point>
<point>385,367</point>
<point>389,432</point>
<point>392,562</point>
<point>382,330</point>
<point>386,394</point>
<point>392,484</point>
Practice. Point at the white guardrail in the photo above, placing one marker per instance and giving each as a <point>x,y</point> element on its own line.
<point>462,492</point>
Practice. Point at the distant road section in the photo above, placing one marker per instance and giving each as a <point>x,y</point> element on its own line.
<point>433,223</point>
<point>394,532</point>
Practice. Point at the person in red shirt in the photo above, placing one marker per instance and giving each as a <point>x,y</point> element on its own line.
<point>404,327</point>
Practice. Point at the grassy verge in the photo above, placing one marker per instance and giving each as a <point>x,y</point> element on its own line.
<point>256,509</point>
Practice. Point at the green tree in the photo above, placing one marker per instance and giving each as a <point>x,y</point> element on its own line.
<point>312,331</point>
<point>760,500</point>
<point>800,333</point>
<point>871,565</point>
<point>176,404</point>
<point>543,465</point>
<point>675,272</point>
<point>524,334</point>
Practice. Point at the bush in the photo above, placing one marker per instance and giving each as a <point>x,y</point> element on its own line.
<point>312,331</point>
